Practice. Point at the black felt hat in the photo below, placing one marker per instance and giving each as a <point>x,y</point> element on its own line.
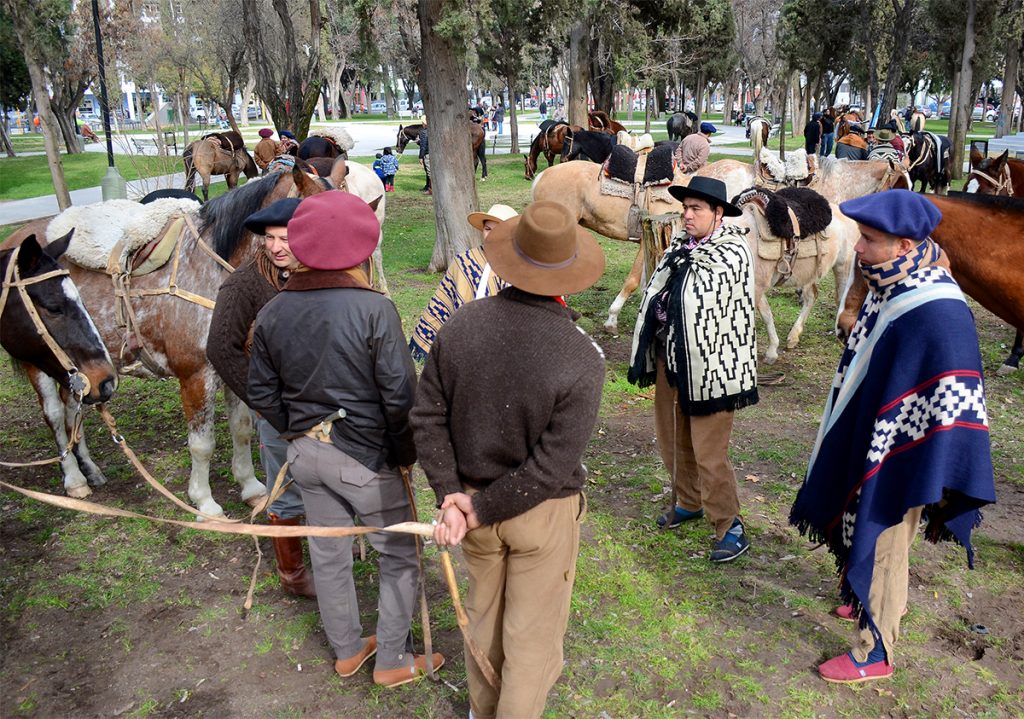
<point>708,189</point>
<point>276,214</point>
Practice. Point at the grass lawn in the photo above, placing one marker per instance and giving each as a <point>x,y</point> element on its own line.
<point>145,620</point>
<point>23,177</point>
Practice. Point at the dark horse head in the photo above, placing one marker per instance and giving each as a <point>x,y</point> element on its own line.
<point>407,134</point>
<point>59,307</point>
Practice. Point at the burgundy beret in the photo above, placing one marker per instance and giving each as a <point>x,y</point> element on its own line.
<point>333,230</point>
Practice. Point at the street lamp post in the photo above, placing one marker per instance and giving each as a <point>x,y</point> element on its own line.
<point>113,185</point>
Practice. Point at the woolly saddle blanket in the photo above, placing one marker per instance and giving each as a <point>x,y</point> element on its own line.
<point>794,217</point>
<point>904,425</point>
<point>793,171</point>
<point>110,233</point>
<point>338,135</point>
<point>631,174</point>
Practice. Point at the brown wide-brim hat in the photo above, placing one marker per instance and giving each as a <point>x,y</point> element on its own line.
<point>545,252</point>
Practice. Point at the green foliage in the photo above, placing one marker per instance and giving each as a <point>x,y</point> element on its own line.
<point>15,85</point>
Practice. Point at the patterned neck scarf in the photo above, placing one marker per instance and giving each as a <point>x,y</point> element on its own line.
<point>884,275</point>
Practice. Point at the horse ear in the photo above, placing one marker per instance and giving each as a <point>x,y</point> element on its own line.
<point>58,247</point>
<point>976,157</point>
<point>1002,159</point>
<point>304,184</point>
<point>338,172</point>
<point>29,255</point>
<point>376,201</point>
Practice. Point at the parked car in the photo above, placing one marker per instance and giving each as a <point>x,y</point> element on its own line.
<point>378,106</point>
<point>945,111</point>
<point>924,110</point>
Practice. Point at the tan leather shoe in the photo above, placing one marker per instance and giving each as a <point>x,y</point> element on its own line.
<point>348,667</point>
<point>403,675</point>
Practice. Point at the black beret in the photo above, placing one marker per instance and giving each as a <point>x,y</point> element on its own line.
<point>274,215</point>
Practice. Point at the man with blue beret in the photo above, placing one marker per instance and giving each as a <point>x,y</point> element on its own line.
<point>904,435</point>
<point>693,151</point>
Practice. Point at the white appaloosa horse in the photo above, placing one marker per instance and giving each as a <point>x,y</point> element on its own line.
<point>167,330</point>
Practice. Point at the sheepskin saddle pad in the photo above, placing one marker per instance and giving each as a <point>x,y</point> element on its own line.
<point>646,168</point>
<point>794,170</point>
<point>119,226</point>
<point>792,212</point>
<point>338,135</point>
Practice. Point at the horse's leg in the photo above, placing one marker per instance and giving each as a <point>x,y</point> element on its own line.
<point>628,288</point>
<point>197,402</point>
<point>378,266</point>
<point>54,410</point>
<point>1012,363</point>
<point>808,295</point>
<point>482,154</point>
<point>240,422</point>
<point>92,472</point>
<point>772,353</point>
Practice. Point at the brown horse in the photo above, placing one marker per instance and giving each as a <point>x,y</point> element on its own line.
<point>211,156</point>
<point>168,336</point>
<point>981,235</point>
<point>995,175</point>
<point>550,142</point>
<point>844,118</point>
<point>411,133</point>
<point>31,276</point>
<point>599,121</point>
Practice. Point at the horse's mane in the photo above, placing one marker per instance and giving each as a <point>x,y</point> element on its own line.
<point>223,216</point>
<point>998,202</point>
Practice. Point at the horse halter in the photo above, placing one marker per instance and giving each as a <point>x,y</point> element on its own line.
<point>1003,186</point>
<point>77,382</point>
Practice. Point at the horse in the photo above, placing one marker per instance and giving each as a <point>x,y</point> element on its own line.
<point>995,175</point>
<point>550,141</point>
<point>411,133</point>
<point>332,142</point>
<point>167,329</point>
<point>917,121</point>
<point>928,161</point>
<point>207,156</point>
<point>981,236</point>
<point>844,118</point>
<point>759,129</point>
<point>598,121</point>
<point>76,368</point>
<point>681,124</point>
<point>587,145</point>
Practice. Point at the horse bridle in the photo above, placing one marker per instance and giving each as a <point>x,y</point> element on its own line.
<point>78,383</point>
<point>892,171</point>
<point>1004,185</point>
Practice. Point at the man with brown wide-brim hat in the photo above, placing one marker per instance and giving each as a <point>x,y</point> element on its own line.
<point>506,404</point>
<point>330,372</point>
<point>694,340</point>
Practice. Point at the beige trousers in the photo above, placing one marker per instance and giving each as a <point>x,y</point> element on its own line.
<point>890,580</point>
<point>695,451</point>
<point>521,574</point>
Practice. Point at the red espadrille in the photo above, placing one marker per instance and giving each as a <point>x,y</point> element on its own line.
<point>843,670</point>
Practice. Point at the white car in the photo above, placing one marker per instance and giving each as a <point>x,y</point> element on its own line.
<point>378,106</point>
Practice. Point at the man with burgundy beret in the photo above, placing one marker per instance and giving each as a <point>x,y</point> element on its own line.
<point>331,372</point>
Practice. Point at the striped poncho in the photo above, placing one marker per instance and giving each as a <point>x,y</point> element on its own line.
<point>469,277</point>
<point>904,426</point>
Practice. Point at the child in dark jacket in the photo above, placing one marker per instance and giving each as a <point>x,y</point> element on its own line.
<point>389,166</point>
<point>378,166</point>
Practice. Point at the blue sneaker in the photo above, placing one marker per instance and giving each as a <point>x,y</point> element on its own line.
<point>672,519</point>
<point>732,545</point>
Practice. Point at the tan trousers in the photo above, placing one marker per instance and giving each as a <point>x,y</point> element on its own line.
<point>521,573</point>
<point>695,451</point>
<point>890,581</point>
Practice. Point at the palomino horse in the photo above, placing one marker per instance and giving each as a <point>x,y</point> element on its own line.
<point>75,368</point>
<point>996,175</point>
<point>208,156</point>
<point>928,161</point>
<point>981,235</point>
<point>550,141</point>
<point>168,333</point>
<point>759,130</point>
<point>598,121</point>
<point>411,133</point>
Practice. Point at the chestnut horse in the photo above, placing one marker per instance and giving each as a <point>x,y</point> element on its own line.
<point>598,121</point>
<point>981,235</point>
<point>209,156</point>
<point>411,133</point>
<point>996,175</point>
<point>550,141</point>
<point>169,337</point>
<point>84,373</point>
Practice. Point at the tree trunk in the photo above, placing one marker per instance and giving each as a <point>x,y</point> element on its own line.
<point>443,84</point>
<point>67,131</point>
<point>963,108</point>
<point>6,138</point>
<point>782,125</point>
<point>649,100</point>
<point>50,132</point>
<point>154,98</point>
<point>247,91</point>
<point>629,103</point>
<point>512,121</point>
<point>579,74</point>
<point>698,96</point>
<point>602,77</point>
<point>1004,124</point>
<point>901,29</point>
<point>183,116</point>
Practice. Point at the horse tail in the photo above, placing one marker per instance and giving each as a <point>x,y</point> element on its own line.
<point>756,137</point>
<point>190,169</point>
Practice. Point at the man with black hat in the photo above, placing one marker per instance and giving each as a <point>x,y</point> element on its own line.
<point>239,300</point>
<point>904,435</point>
<point>693,151</point>
<point>330,371</point>
<point>515,484</point>
<point>694,340</point>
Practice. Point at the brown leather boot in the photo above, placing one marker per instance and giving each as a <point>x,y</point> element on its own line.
<point>290,567</point>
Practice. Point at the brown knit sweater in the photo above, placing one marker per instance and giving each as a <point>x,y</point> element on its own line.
<point>507,403</point>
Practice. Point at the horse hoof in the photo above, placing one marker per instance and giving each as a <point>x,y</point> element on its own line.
<point>611,328</point>
<point>211,509</point>
<point>257,500</point>
<point>771,358</point>
<point>80,491</point>
<point>1005,370</point>
<point>97,479</point>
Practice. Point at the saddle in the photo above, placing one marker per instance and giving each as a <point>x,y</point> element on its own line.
<point>793,219</point>
<point>640,177</point>
<point>797,170</point>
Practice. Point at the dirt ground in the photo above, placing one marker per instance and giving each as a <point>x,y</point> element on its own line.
<point>107,618</point>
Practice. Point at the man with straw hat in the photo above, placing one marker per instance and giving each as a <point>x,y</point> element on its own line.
<point>469,277</point>
<point>694,340</point>
<point>510,490</point>
<point>330,372</point>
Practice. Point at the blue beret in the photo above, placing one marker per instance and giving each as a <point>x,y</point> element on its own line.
<point>707,128</point>
<point>899,212</point>
<point>276,214</point>
<point>287,133</point>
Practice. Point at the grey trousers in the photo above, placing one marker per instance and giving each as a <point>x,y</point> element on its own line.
<point>336,489</point>
<point>273,451</point>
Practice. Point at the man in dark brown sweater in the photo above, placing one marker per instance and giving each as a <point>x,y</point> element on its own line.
<point>505,407</point>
